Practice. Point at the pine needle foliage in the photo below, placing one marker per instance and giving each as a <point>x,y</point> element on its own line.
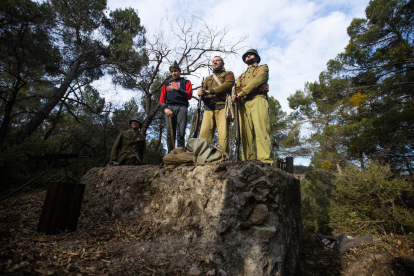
<point>370,201</point>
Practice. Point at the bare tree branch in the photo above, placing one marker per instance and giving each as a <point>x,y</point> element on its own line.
<point>191,42</point>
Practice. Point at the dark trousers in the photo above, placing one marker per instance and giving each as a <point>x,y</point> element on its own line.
<point>179,123</point>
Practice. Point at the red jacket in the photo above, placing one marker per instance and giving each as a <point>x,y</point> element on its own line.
<point>179,97</point>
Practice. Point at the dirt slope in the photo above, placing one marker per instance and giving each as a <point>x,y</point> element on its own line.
<point>110,248</point>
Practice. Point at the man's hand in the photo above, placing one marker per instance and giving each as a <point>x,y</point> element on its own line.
<point>201,92</point>
<point>168,112</point>
<point>112,163</point>
<point>170,87</point>
<point>236,97</point>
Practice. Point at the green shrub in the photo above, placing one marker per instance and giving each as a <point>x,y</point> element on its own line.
<point>316,192</point>
<point>368,201</point>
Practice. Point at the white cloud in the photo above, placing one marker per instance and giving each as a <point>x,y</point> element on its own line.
<point>306,55</point>
<point>295,38</point>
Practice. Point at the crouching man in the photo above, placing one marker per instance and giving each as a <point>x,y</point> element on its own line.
<point>130,146</point>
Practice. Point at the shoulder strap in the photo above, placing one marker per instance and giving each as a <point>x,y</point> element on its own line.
<point>258,68</point>
<point>201,159</point>
<point>214,154</point>
<point>216,79</point>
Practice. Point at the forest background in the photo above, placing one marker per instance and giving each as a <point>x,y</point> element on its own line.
<point>355,123</point>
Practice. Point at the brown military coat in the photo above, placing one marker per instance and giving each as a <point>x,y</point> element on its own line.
<point>126,144</point>
<point>218,92</point>
<point>251,80</point>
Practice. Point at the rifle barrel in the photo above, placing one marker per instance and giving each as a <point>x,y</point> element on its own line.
<point>236,124</point>
<point>54,156</point>
<point>21,187</point>
<point>197,124</point>
<point>172,139</point>
<point>50,157</point>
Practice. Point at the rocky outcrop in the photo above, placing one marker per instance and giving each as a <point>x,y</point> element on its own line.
<point>244,217</point>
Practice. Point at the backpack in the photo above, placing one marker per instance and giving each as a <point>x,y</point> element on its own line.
<point>179,157</point>
<point>206,154</point>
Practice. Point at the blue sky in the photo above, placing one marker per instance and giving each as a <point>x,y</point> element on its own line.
<point>295,38</point>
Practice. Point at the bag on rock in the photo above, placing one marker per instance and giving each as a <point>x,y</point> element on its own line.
<point>179,157</point>
<point>206,154</point>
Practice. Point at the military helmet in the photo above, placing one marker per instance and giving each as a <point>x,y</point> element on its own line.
<point>175,65</point>
<point>251,51</point>
<point>135,118</point>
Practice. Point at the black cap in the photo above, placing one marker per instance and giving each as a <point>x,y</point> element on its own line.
<point>175,65</point>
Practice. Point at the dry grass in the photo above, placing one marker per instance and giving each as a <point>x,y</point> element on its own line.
<point>102,247</point>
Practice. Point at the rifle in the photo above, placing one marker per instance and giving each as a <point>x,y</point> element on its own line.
<point>197,124</point>
<point>172,139</point>
<point>236,123</point>
<point>63,156</point>
<point>51,157</point>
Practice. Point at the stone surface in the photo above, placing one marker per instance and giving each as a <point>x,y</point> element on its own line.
<point>241,217</point>
<point>194,270</point>
<point>211,272</point>
<point>259,214</point>
<point>264,232</point>
<point>221,272</point>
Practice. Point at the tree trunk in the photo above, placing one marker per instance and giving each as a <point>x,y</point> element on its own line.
<point>150,115</point>
<point>44,112</point>
<point>54,124</point>
<point>4,128</point>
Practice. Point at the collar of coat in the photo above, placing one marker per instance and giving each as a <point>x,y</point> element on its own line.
<point>134,133</point>
<point>221,71</point>
<point>253,65</point>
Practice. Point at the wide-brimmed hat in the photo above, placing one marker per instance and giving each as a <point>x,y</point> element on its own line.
<point>251,51</point>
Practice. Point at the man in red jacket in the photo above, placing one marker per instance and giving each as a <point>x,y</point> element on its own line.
<point>175,95</point>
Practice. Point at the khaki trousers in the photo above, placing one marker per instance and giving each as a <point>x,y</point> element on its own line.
<point>211,121</point>
<point>255,115</point>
